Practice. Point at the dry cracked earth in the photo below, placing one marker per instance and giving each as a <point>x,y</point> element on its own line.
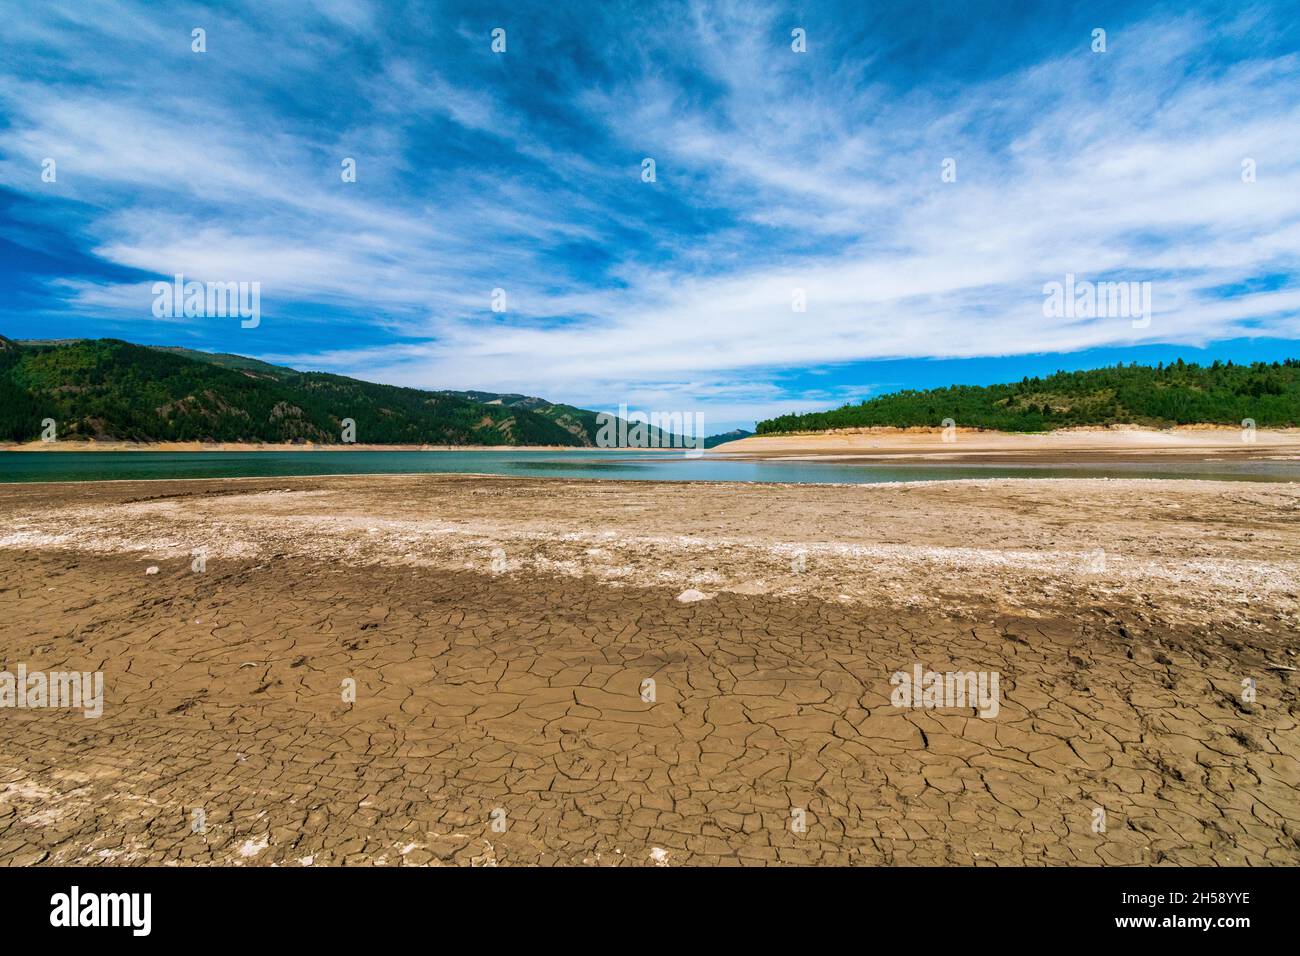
<point>499,633</point>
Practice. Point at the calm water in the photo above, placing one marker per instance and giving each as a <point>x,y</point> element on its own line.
<point>588,463</point>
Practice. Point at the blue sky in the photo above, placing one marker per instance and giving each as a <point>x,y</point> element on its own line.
<point>775,171</point>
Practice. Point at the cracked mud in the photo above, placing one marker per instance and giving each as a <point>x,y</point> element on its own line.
<point>500,633</point>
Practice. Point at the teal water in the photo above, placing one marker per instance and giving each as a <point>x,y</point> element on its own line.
<point>587,463</point>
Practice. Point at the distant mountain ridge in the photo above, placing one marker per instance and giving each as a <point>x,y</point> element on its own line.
<point>736,434</point>
<point>579,422</point>
<point>228,360</point>
<point>1158,396</point>
<point>111,390</point>
<point>108,389</point>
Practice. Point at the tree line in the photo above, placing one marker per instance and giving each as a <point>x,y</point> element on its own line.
<point>1180,393</point>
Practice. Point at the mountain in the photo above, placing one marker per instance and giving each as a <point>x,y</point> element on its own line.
<point>579,422</point>
<point>736,434</point>
<point>239,363</point>
<point>113,390</point>
<point>1163,396</point>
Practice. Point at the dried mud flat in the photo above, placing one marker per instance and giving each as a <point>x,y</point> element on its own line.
<point>499,632</point>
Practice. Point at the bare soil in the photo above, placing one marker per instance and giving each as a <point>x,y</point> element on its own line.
<point>500,632</point>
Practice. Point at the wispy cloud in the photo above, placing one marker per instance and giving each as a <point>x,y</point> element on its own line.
<point>775,171</point>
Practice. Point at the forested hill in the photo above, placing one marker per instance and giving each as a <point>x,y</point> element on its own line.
<point>1163,396</point>
<point>112,390</point>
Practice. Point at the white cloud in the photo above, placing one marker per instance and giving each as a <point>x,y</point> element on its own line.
<point>821,179</point>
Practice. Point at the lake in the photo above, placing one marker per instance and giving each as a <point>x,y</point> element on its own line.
<point>586,463</point>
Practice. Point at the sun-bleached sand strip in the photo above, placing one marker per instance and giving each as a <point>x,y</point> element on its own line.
<point>1019,539</point>
<point>1062,446</point>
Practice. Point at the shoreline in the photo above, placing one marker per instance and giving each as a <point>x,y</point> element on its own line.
<point>104,446</point>
<point>733,484</point>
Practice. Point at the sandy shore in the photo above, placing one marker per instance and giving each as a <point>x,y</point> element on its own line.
<point>500,632</point>
<point>1198,443</point>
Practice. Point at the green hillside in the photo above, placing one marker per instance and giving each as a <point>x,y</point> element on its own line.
<point>240,363</point>
<point>1163,396</point>
<point>579,422</point>
<point>736,434</point>
<point>112,390</point>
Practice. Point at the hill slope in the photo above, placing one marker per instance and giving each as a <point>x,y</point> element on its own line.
<point>239,363</point>
<point>1164,396</point>
<point>108,389</point>
<point>736,434</point>
<point>579,422</point>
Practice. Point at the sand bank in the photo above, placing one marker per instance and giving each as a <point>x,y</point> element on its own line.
<point>1065,446</point>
